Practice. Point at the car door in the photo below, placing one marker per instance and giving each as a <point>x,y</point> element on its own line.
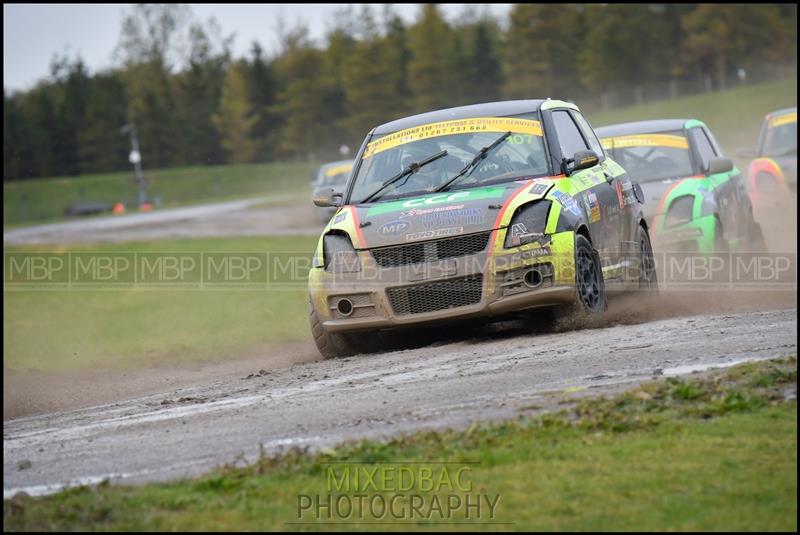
<point>596,190</point>
<point>724,184</point>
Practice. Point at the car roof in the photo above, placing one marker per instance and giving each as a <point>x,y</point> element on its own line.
<point>489,109</point>
<point>328,165</point>
<point>641,127</point>
<point>784,111</point>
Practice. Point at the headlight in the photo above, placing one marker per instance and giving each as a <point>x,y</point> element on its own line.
<point>339,254</point>
<point>709,205</point>
<point>528,223</point>
<point>680,211</point>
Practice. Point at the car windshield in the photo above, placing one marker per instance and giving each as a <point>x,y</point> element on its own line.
<point>781,136</point>
<point>650,157</point>
<point>522,154</point>
<point>336,176</point>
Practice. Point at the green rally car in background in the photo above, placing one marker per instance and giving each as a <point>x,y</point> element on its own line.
<point>695,198</point>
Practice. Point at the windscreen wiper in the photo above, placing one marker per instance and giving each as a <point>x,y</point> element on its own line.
<point>412,168</point>
<point>471,166</point>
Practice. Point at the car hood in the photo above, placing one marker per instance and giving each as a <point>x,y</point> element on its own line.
<point>656,193</point>
<point>438,215</point>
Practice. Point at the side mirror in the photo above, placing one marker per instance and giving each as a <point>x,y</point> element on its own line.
<point>326,197</point>
<point>583,159</point>
<point>747,154</point>
<point>720,165</point>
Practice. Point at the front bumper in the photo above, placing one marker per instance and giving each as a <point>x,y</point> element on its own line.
<point>490,283</point>
<point>695,236</point>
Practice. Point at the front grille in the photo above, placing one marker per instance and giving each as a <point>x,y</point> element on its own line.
<point>430,251</point>
<point>434,296</point>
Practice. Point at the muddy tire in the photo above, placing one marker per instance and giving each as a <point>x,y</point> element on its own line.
<point>648,278</point>
<point>720,243</point>
<point>590,290</point>
<point>757,242</point>
<point>333,345</point>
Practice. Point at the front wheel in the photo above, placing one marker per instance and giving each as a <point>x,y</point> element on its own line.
<point>333,345</point>
<point>648,278</point>
<point>720,243</point>
<point>757,243</point>
<point>590,290</point>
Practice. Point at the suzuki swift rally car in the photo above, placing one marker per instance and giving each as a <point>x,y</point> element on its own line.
<point>695,198</point>
<point>772,175</point>
<point>475,211</point>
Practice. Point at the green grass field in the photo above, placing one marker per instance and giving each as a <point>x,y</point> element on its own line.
<point>45,199</point>
<point>128,327</point>
<point>718,453</point>
<point>734,116</point>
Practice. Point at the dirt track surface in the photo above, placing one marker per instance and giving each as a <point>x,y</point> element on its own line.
<point>257,216</point>
<point>185,431</point>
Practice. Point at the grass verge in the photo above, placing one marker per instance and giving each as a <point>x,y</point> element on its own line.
<point>40,200</point>
<point>119,328</point>
<point>717,452</point>
<point>734,116</point>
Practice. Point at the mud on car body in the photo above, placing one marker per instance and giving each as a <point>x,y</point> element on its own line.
<point>470,212</point>
<point>695,198</point>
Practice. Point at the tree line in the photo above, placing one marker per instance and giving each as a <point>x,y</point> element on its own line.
<point>193,103</point>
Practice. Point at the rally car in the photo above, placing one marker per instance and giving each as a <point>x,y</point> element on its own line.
<point>475,211</point>
<point>772,175</point>
<point>332,174</point>
<point>695,198</point>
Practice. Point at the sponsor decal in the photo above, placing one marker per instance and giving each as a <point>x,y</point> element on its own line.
<point>620,198</point>
<point>567,202</point>
<point>466,216</point>
<point>528,254</point>
<point>520,231</point>
<point>430,201</point>
<point>628,193</point>
<point>592,206</point>
<point>539,188</point>
<point>341,216</point>
<point>423,211</point>
<point>645,140</point>
<point>451,197</point>
<point>437,233</point>
<point>447,128</point>
<point>583,180</point>
<point>536,253</point>
<point>393,228</point>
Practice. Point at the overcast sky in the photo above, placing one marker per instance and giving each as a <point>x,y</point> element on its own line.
<point>32,33</point>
